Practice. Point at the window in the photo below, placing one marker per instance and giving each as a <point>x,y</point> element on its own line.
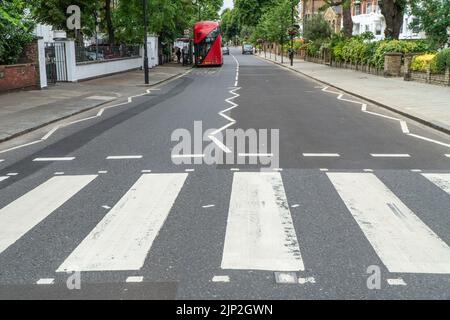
<point>367,29</point>
<point>357,9</point>
<point>356,28</point>
<point>369,7</point>
<point>416,28</point>
<point>378,28</point>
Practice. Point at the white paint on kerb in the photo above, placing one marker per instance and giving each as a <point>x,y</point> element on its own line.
<point>402,241</point>
<point>123,238</point>
<point>23,214</point>
<point>260,234</point>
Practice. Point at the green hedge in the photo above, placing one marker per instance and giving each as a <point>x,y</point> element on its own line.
<point>443,60</point>
<point>362,49</point>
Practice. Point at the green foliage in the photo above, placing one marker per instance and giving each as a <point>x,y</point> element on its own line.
<point>229,24</point>
<point>316,28</point>
<point>15,30</point>
<point>433,16</point>
<point>424,62</point>
<point>443,60</point>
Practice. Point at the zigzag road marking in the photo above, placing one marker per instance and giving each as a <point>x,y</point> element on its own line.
<point>403,124</point>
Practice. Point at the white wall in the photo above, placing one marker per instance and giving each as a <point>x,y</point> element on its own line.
<point>97,69</point>
<point>44,31</point>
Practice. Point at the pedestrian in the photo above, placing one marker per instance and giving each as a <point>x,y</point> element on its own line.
<point>183,54</point>
<point>178,53</point>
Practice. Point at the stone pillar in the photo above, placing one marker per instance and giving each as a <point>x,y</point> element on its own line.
<point>42,64</point>
<point>393,64</point>
<point>407,66</point>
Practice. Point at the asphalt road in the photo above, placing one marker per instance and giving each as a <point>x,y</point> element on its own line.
<point>352,192</point>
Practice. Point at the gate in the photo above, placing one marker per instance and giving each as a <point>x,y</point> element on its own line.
<point>55,62</point>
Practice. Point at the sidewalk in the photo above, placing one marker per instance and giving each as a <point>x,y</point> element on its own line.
<point>428,104</point>
<point>24,111</point>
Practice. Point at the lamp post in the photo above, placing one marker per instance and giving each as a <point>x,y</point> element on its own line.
<point>291,53</point>
<point>146,76</point>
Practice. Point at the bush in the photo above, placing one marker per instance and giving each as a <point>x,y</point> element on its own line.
<point>443,60</point>
<point>423,62</point>
<point>402,46</point>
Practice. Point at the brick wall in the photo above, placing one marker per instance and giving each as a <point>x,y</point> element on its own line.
<point>18,76</point>
<point>25,74</point>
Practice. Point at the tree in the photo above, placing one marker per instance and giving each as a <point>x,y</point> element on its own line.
<point>316,28</point>
<point>15,30</point>
<point>229,24</point>
<point>251,11</point>
<point>393,11</point>
<point>346,14</point>
<point>109,23</point>
<point>433,16</point>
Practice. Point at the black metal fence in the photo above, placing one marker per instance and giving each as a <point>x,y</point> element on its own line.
<point>105,52</point>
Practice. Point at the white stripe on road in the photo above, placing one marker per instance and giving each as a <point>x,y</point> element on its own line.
<point>330,155</point>
<point>390,155</point>
<point>260,233</point>
<point>448,155</point>
<point>441,180</point>
<point>401,240</point>
<point>1,160</point>
<point>135,279</point>
<point>46,281</point>
<point>3,178</point>
<point>54,159</point>
<point>122,240</point>
<point>21,215</point>
<point>123,157</point>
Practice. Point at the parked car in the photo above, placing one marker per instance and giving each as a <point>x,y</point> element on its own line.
<point>225,51</point>
<point>247,49</point>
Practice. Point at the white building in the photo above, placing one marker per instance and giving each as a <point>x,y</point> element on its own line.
<point>367,16</point>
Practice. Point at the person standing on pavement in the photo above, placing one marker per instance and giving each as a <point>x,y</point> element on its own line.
<point>178,53</point>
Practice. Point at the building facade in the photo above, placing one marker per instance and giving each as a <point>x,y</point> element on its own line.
<point>367,17</point>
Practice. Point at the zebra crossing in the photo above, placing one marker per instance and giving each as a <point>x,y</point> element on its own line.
<point>259,234</point>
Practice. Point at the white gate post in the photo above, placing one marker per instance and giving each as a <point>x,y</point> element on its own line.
<point>42,64</point>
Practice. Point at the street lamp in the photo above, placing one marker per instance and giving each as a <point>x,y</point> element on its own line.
<point>291,52</point>
<point>146,76</point>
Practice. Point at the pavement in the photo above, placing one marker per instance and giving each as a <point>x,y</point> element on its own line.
<point>24,111</point>
<point>426,103</point>
<point>356,207</point>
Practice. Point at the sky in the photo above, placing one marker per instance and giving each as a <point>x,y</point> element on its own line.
<point>227,4</point>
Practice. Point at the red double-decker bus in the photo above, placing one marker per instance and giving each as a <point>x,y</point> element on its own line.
<point>207,44</point>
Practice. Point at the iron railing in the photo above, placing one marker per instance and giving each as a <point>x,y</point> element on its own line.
<point>105,52</point>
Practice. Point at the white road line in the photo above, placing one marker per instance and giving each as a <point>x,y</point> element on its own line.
<point>429,140</point>
<point>416,170</point>
<point>99,114</point>
<point>178,156</point>
<point>102,172</point>
<point>368,170</point>
<point>402,241</point>
<point>255,154</point>
<point>331,155</point>
<point>106,207</point>
<point>124,157</point>
<point>441,180</point>
<point>260,233</point>
<point>390,155</point>
<point>306,280</point>
<point>122,240</point>
<point>146,171</point>
<point>189,170</point>
<point>403,124</point>
<point>396,282</point>
<point>46,281</point>
<point>295,206</point>
<point>221,279</point>
<point>234,169</point>
<point>209,206</point>
<point>134,279</point>
<point>324,170</point>
<point>1,160</point>
<point>21,215</point>
<point>448,155</point>
<point>54,159</point>
<point>11,174</point>
<point>3,178</point>
<point>59,173</point>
